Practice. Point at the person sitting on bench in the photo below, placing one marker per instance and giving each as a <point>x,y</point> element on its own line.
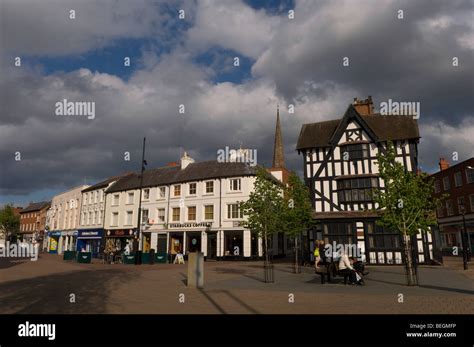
<point>346,269</point>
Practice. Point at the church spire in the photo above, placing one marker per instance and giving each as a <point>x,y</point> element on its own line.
<point>278,158</point>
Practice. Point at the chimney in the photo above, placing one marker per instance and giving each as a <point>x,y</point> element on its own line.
<point>443,164</point>
<point>364,107</point>
<point>185,161</point>
<point>172,164</point>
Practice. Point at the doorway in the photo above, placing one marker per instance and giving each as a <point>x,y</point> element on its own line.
<point>211,245</point>
<point>193,241</point>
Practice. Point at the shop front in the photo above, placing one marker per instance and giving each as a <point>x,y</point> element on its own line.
<point>90,240</point>
<point>119,240</point>
<point>53,241</point>
<point>67,241</point>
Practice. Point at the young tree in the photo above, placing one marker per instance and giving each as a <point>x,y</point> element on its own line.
<point>297,215</point>
<point>263,210</point>
<point>406,204</point>
<point>9,222</point>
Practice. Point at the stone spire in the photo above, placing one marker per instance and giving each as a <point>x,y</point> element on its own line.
<point>278,158</point>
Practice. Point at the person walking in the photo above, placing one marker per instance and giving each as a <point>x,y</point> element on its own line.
<point>317,255</point>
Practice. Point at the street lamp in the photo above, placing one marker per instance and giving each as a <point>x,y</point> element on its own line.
<point>139,224</point>
<point>465,253</point>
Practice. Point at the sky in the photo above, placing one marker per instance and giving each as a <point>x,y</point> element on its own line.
<point>284,60</point>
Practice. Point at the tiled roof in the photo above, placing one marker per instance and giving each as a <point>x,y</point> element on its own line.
<point>193,172</point>
<point>385,127</point>
<point>36,206</point>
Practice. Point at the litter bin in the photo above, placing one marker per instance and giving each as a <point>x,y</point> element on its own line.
<point>84,257</point>
<point>129,259</point>
<point>161,258</point>
<point>145,258</point>
<point>69,255</point>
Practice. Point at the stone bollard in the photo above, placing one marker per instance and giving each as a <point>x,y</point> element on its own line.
<point>196,270</point>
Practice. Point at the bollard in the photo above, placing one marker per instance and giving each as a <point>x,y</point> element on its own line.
<point>196,270</point>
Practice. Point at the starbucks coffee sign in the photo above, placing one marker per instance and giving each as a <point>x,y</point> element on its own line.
<point>190,225</point>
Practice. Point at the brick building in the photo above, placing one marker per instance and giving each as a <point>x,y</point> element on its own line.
<point>458,182</point>
<point>33,221</point>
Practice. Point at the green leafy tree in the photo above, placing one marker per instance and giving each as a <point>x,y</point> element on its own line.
<point>406,204</point>
<point>9,221</point>
<point>263,210</point>
<point>297,216</point>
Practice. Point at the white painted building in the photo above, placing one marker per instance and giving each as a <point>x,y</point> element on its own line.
<point>190,207</point>
<point>63,220</point>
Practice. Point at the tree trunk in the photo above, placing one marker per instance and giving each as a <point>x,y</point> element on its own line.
<point>409,266</point>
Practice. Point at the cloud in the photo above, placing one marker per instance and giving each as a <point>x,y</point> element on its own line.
<point>45,27</point>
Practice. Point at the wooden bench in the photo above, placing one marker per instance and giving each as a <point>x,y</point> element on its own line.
<point>329,271</point>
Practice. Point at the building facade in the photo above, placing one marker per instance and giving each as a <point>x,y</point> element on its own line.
<point>457,210</point>
<point>33,222</point>
<point>90,234</point>
<point>340,169</point>
<point>186,208</point>
<point>63,220</point>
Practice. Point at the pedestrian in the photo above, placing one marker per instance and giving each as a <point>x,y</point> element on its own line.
<point>317,255</point>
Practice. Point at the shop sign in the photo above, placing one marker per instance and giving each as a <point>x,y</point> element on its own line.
<point>120,233</point>
<point>54,233</point>
<point>89,234</point>
<point>190,225</point>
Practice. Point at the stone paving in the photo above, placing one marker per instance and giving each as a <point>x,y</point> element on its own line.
<point>45,286</point>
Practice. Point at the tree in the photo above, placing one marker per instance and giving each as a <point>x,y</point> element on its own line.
<point>297,214</point>
<point>9,221</point>
<point>263,210</point>
<point>405,204</point>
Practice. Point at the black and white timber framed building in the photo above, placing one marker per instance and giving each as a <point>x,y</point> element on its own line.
<point>340,169</point>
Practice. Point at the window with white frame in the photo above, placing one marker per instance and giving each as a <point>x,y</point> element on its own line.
<point>102,195</point>
<point>234,212</point>
<point>144,216</point>
<point>93,217</point>
<point>161,215</point>
<point>234,184</point>
<point>95,196</point>
<point>114,221</point>
<point>191,213</point>
<point>176,214</point>
<point>129,218</point>
<point>458,179</point>
<point>146,194</point>
<point>177,190</point>
<point>130,197</point>
<point>209,187</point>
<point>446,185</point>
<point>192,188</point>
<point>161,192</point>
<point>209,212</point>
<point>115,200</point>
<point>100,218</point>
<point>82,218</point>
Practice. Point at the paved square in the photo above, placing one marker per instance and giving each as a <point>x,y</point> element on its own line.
<point>45,286</point>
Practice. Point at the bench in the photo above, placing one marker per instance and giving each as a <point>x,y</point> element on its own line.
<point>330,270</point>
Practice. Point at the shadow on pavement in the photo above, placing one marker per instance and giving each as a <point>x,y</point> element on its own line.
<point>51,294</point>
